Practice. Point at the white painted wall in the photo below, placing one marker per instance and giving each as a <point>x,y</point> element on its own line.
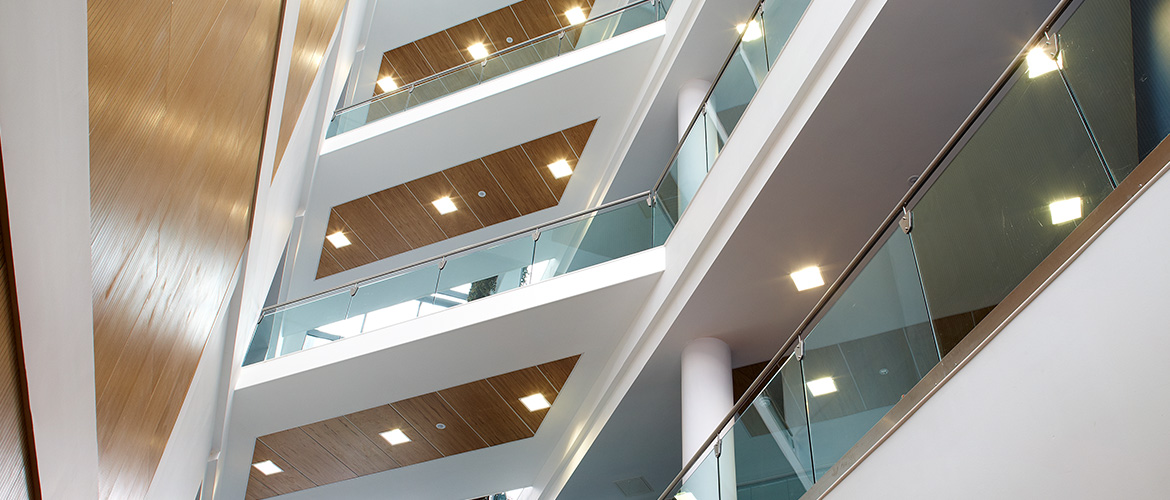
<point>1068,401</point>
<point>44,122</point>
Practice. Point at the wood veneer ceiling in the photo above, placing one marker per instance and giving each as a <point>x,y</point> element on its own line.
<point>514,182</point>
<point>438,52</point>
<point>178,97</point>
<point>447,422</point>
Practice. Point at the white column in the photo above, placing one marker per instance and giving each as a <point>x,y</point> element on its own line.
<point>706,391</point>
<point>692,158</point>
<point>706,398</point>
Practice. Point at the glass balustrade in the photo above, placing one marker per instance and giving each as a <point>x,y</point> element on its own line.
<point>522,55</point>
<point>593,238</point>
<point>1072,120</point>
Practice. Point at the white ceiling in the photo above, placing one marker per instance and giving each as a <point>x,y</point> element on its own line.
<point>921,68</point>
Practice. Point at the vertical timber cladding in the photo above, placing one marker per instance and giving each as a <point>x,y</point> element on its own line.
<point>178,95</point>
<point>16,477</point>
<point>316,24</point>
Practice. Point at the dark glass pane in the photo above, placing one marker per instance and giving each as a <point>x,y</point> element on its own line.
<point>1013,192</point>
<point>871,347</point>
<point>770,441</point>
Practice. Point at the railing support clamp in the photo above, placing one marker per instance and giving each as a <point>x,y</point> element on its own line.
<point>442,263</point>
<point>798,351</point>
<point>353,290</point>
<point>718,447</point>
<point>536,235</point>
<point>906,222</point>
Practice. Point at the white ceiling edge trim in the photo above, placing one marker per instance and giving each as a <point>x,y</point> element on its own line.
<point>495,86</point>
<point>831,31</point>
<point>642,264</point>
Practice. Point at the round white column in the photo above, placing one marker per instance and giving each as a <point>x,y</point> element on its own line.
<point>706,391</point>
<point>692,160</point>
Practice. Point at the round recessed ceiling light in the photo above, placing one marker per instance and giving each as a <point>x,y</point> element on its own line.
<point>509,39</point>
<point>440,426</point>
<point>482,194</point>
<point>884,371</point>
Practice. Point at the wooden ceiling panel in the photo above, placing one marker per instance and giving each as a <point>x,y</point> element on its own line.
<point>374,421</point>
<point>435,186</point>
<point>427,412</point>
<point>307,456</point>
<point>485,411</point>
<point>401,208</point>
<point>372,228</point>
<point>579,136</point>
<point>472,178</point>
<point>327,265</point>
<point>557,372</point>
<point>536,16</point>
<point>409,63</point>
<point>519,178</point>
<point>523,383</point>
<point>502,25</point>
<point>440,52</point>
<point>468,34</point>
<point>545,151</point>
<point>346,442</point>
<point>257,491</point>
<point>287,481</point>
<point>355,254</point>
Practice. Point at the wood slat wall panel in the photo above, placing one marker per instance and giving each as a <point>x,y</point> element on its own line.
<point>409,63</point>
<point>435,186</point>
<point>427,411</point>
<point>345,441</point>
<point>14,470</point>
<point>549,149</point>
<point>315,26</point>
<point>523,383</point>
<point>536,16</point>
<point>471,178</point>
<point>281,483</point>
<point>377,420</point>
<point>557,372</point>
<point>519,178</point>
<point>372,228</point>
<point>411,220</point>
<point>308,456</point>
<point>501,25</point>
<point>179,96</point>
<point>440,52</point>
<point>486,412</point>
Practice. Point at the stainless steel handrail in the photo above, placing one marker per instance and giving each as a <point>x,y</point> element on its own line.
<point>553,224</point>
<point>527,43</point>
<point>774,364</point>
<point>703,106</point>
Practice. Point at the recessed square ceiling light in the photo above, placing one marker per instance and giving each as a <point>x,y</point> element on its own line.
<point>535,402</point>
<point>395,436</point>
<point>338,239</point>
<point>575,15</point>
<point>478,51</point>
<point>267,467</point>
<point>445,205</point>
<point>560,168</point>
<point>387,84</point>
<point>1065,210</point>
<point>685,495</point>
<point>809,277</point>
<point>1040,62</point>
<point>822,386</point>
<point>750,30</point>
